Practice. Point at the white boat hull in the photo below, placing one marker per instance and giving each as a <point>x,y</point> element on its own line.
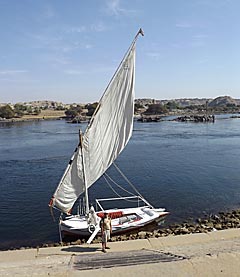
<point>127,221</point>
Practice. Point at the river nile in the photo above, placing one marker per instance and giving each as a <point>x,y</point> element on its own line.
<point>191,169</point>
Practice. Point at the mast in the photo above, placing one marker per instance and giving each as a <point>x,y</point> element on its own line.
<point>140,32</point>
<point>83,171</point>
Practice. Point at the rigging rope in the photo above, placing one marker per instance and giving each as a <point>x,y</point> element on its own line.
<point>115,190</point>
<point>115,183</point>
<point>126,179</point>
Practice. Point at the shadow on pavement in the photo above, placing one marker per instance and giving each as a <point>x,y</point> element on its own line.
<point>81,249</point>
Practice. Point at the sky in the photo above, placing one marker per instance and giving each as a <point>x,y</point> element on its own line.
<point>68,50</point>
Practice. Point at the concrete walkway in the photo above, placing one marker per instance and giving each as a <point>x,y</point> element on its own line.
<point>209,254</point>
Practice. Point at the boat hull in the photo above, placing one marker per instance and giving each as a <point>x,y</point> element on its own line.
<point>130,220</point>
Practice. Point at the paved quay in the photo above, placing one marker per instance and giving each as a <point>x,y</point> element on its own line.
<point>207,254</point>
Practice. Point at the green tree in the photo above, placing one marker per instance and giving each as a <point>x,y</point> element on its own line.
<point>36,111</point>
<point>156,109</point>
<point>19,109</point>
<point>137,106</point>
<point>79,109</point>
<point>29,110</point>
<point>71,112</point>
<point>91,108</point>
<point>60,108</point>
<point>172,105</point>
<point>7,112</point>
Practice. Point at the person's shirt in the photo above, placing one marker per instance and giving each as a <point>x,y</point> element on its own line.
<point>106,223</point>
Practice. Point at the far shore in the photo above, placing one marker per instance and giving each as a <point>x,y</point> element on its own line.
<point>44,115</point>
<point>59,115</point>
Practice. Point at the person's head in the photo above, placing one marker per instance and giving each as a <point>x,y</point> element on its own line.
<point>105,215</point>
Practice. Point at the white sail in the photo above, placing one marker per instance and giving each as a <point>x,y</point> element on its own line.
<point>106,136</point>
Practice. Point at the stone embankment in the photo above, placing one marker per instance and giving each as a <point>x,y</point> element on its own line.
<point>222,221</point>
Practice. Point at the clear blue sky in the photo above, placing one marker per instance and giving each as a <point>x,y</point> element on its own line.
<point>68,50</point>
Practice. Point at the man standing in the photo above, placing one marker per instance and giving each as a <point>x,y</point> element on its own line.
<point>106,228</point>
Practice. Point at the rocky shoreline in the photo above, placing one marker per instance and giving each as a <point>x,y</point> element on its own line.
<point>221,221</point>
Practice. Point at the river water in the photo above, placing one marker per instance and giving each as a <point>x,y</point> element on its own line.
<point>191,169</point>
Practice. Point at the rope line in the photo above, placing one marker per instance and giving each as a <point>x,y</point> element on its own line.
<point>126,179</point>
<point>118,185</point>
<point>116,192</point>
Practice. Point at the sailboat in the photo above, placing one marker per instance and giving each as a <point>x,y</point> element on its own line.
<point>105,137</point>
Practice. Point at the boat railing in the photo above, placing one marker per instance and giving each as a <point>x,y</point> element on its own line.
<point>137,199</point>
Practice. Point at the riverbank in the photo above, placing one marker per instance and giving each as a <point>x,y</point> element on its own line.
<point>207,224</point>
<point>44,115</point>
<point>56,115</point>
<point>210,254</point>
